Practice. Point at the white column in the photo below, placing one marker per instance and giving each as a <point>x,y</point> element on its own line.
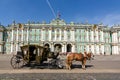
<point>42,34</point>
<point>52,47</point>
<point>55,34</point>
<point>92,49</point>
<point>22,35</point>
<point>17,40</point>
<point>92,36</point>
<point>73,35</point>
<point>11,48</point>
<point>50,35</point>
<point>65,35</point>
<point>115,50</point>
<point>102,49</point>
<point>12,35</point>
<point>87,36</point>
<point>12,40</point>
<point>17,35</point>
<point>27,34</point>
<point>0,48</point>
<point>102,37</point>
<point>87,48</point>
<point>97,49</point>
<point>60,34</point>
<point>116,37</point>
<point>97,35</point>
<point>63,48</point>
<point>73,48</point>
<point>16,47</point>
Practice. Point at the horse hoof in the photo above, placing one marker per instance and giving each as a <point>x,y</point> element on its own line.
<point>83,68</point>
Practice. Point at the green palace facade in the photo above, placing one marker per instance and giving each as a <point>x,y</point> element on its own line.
<point>69,37</point>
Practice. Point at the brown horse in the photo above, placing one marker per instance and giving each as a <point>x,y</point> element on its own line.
<point>78,57</point>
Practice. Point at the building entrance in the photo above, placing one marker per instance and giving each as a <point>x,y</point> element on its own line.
<point>69,47</point>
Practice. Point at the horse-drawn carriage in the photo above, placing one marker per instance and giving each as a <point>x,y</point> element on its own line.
<point>38,54</point>
<point>32,54</point>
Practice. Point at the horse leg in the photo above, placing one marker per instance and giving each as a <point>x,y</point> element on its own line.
<point>67,64</point>
<point>83,64</point>
<point>70,63</point>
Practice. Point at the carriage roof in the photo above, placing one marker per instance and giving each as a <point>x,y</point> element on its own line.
<point>26,47</point>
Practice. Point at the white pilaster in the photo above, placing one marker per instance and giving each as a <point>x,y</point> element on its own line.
<point>73,48</point>
<point>12,35</point>
<point>27,34</point>
<point>17,40</point>
<point>11,48</point>
<point>92,36</point>
<point>73,35</point>
<point>87,48</point>
<point>55,34</point>
<point>16,47</point>
<point>42,34</point>
<point>50,35</point>
<point>97,36</point>
<point>60,35</point>
<point>87,36</point>
<point>102,37</point>
<point>116,37</point>
<point>12,40</point>
<point>63,48</point>
<point>17,35</point>
<point>102,49</point>
<point>115,50</point>
<point>65,35</point>
<point>97,50</point>
<point>0,48</point>
<point>92,49</point>
<point>52,47</point>
<point>22,35</point>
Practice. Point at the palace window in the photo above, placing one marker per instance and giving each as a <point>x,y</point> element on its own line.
<point>19,37</point>
<point>53,30</point>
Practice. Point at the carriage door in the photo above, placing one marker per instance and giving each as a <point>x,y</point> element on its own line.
<point>69,47</point>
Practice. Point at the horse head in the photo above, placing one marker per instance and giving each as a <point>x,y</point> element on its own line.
<point>90,56</point>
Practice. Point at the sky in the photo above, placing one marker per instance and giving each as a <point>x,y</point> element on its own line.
<point>78,11</point>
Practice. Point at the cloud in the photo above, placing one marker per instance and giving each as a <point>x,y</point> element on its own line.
<point>108,19</point>
<point>111,19</point>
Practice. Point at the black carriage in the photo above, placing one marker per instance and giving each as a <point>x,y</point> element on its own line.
<point>35,54</point>
<point>28,54</point>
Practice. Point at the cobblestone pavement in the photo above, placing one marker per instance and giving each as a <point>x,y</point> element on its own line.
<point>99,62</point>
<point>61,76</point>
<point>101,68</point>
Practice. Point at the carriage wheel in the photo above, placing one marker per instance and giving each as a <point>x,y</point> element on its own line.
<point>17,61</point>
